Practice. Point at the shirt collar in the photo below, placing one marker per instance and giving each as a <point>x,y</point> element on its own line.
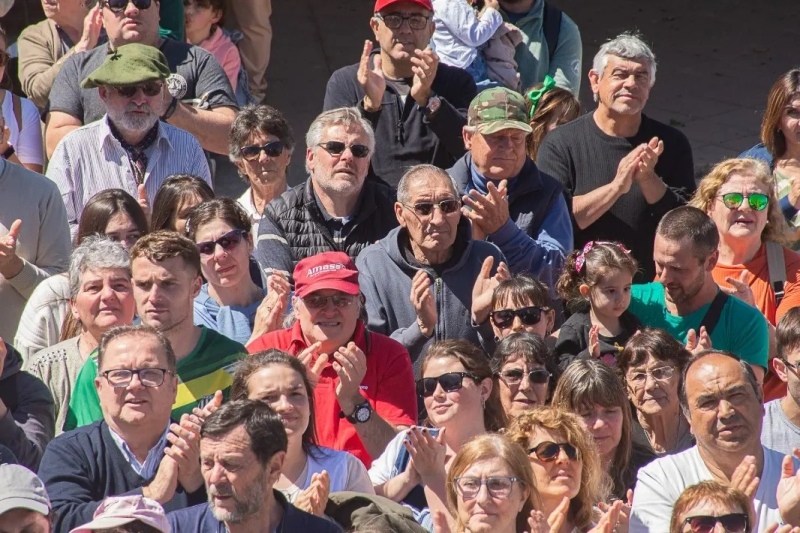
<point>154,454</point>
<point>107,137</point>
<point>297,342</point>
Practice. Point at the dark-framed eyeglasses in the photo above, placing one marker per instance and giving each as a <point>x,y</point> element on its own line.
<point>152,88</point>
<point>425,209</point>
<point>758,201</point>
<point>529,316</point>
<point>229,241</point>
<point>662,373</point>
<point>337,148</point>
<point>498,486</point>
<point>119,6</point>
<point>393,21</point>
<point>548,451</point>
<point>120,378</point>
<point>316,301</point>
<point>450,382</point>
<point>272,149</point>
<point>792,366</point>
<point>733,523</point>
<point>514,376</point>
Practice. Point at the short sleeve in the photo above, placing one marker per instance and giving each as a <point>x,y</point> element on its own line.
<point>65,95</point>
<point>29,147</point>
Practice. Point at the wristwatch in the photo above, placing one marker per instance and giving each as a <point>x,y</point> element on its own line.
<point>360,414</point>
<point>434,102</point>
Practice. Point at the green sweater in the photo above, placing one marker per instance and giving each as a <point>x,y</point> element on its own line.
<point>207,369</point>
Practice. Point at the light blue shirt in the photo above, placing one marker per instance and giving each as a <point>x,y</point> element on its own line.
<point>150,465</point>
<point>459,31</point>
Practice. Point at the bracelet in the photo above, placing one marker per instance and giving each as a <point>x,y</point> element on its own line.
<point>170,109</point>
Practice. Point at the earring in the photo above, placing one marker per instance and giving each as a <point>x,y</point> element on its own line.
<point>483,404</point>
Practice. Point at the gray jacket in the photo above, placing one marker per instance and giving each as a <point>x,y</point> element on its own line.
<point>385,280</point>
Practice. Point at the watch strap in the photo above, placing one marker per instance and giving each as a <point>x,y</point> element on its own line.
<point>352,416</point>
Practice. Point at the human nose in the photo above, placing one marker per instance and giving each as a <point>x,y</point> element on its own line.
<point>726,409</point>
<point>135,383</point>
<point>562,457</point>
<point>525,382</point>
<point>282,403</point>
<point>650,382</point>
<point>216,474</point>
<point>131,9</point>
<point>517,324</point>
<point>483,493</point>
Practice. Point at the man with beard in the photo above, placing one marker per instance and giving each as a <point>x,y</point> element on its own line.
<point>686,302</point>
<point>242,450</point>
<point>129,148</point>
<point>337,209</point>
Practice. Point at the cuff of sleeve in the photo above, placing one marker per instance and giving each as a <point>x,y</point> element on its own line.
<point>25,281</point>
<point>506,232</point>
<point>788,210</point>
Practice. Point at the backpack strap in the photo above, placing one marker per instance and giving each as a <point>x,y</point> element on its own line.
<point>551,25</point>
<point>714,312</point>
<point>777,270</point>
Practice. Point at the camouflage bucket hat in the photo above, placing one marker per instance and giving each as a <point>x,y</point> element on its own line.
<point>498,109</point>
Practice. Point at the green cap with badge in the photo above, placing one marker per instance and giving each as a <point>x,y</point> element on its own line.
<point>130,64</point>
<point>498,109</point>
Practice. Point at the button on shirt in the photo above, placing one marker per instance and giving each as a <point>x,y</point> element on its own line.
<point>90,160</point>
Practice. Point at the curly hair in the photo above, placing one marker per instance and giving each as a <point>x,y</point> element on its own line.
<point>594,482</point>
<point>598,261</point>
<point>777,229</point>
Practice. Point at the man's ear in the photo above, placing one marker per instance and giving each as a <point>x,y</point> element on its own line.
<point>467,135</point>
<point>102,91</point>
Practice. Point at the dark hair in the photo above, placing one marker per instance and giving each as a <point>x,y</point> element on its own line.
<point>476,363</point>
<point>163,245</point>
<point>521,290</point>
<point>102,207</point>
<point>255,362</point>
<point>787,334</point>
<point>533,350</point>
<point>556,103</point>
<point>175,190</point>
<point>744,365</point>
<point>687,222</point>
<point>656,343</point>
<point>263,426</point>
<point>599,260</point>
<point>133,331</point>
<point>257,118</point>
<point>216,5</point>
<point>225,209</point>
<point>785,88</point>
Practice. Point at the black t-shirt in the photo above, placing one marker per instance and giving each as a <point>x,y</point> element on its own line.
<point>583,158</point>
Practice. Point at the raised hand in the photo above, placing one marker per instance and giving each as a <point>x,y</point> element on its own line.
<point>609,520</point>
<point>744,477</point>
<point>314,499</point>
<point>426,63</point>
<point>92,25</point>
<point>185,450</point>
<point>594,341</point>
<point>313,365</point>
<point>740,288</point>
<point>427,453</point>
<point>424,303</point>
<point>272,309</point>
<point>484,287</point>
<point>144,202</point>
<point>164,485</point>
<point>697,343</point>
<point>10,263</point>
<point>350,365</point>
<point>489,211</point>
<point>626,169</point>
<point>648,158</point>
<point>371,79</point>
<point>788,493</point>
<point>210,407</point>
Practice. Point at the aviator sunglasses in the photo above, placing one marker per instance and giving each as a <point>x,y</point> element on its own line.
<point>152,88</point>
<point>337,148</point>
<point>272,149</point>
<point>758,201</point>
<point>504,318</point>
<point>548,451</point>
<point>733,523</point>
<point>118,6</point>
<point>425,209</point>
<point>229,241</point>
<point>450,382</point>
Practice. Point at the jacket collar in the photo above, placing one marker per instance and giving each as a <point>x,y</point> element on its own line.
<point>297,342</point>
<point>529,178</point>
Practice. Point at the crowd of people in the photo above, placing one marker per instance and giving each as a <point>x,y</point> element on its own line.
<point>483,310</point>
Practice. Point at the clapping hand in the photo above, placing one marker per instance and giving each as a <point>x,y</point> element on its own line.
<point>490,211</point>
<point>484,287</point>
<point>371,79</point>
<point>314,499</point>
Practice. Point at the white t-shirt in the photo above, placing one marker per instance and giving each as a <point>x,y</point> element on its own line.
<point>660,483</point>
<point>346,471</point>
<point>26,138</point>
<point>777,431</point>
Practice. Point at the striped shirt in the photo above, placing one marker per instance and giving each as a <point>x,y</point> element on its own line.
<point>90,160</point>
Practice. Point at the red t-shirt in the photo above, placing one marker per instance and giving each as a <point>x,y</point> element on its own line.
<point>388,386</point>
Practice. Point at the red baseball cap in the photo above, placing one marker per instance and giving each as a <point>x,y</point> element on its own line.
<point>380,5</point>
<point>328,270</point>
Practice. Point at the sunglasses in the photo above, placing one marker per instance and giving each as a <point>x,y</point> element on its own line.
<point>425,209</point>
<point>548,451</point>
<point>337,148</point>
<point>272,149</point>
<point>119,6</point>
<point>229,241</point>
<point>529,316</point>
<point>734,523</point>
<point>152,88</point>
<point>315,301</point>
<point>662,373</point>
<point>539,376</point>
<point>758,201</point>
<point>450,382</point>
<point>393,22</point>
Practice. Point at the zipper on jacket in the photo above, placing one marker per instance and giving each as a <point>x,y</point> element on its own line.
<point>399,133</point>
<point>437,285</point>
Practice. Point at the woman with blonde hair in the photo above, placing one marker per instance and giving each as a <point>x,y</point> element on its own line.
<point>739,196</point>
<point>565,463</point>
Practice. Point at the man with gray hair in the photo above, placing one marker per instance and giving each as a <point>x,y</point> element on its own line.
<point>336,209</point>
<point>432,247</point>
<point>623,169</point>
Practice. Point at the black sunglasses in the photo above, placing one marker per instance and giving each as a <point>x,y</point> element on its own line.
<point>514,376</point>
<point>529,316</point>
<point>425,209</point>
<point>152,88</point>
<point>734,523</point>
<point>118,6</point>
<point>337,148</point>
<point>229,241</point>
<point>450,382</point>
<point>272,149</point>
<point>548,451</point>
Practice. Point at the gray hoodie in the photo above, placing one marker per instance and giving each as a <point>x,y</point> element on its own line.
<point>385,279</point>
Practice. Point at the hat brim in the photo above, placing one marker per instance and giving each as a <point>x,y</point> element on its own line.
<point>89,83</point>
<point>107,522</point>
<point>12,503</point>
<point>331,284</point>
<point>427,4</point>
<point>499,125</point>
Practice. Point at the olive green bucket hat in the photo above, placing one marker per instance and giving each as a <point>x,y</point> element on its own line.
<point>498,109</point>
<point>130,64</point>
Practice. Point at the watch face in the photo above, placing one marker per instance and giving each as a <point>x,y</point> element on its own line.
<point>362,413</point>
